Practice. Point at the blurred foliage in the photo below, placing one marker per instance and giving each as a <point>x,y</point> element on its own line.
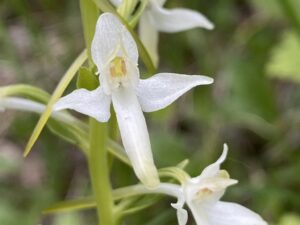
<point>290,219</point>
<point>258,116</point>
<point>285,60</point>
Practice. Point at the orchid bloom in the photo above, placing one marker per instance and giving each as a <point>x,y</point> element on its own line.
<point>156,18</point>
<point>202,195</point>
<point>115,53</point>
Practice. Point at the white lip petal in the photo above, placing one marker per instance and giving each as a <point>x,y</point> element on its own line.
<point>227,213</point>
<point>94,103</point>
<point>162,89</point>
<point>110,35</point>
<point>175,20</point>
<point>149,36</point>
<point>135,135</point>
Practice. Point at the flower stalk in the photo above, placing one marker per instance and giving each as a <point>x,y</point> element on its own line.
<point>98,157</point>
<point>99,171</point>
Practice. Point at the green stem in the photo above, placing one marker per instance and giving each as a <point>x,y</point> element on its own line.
<point>98,158</point>
<point>98,165</point>
<point>291,14</point>
<point>89,16</point>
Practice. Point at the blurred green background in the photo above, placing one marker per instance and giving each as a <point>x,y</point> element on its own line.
<point>254,106</point>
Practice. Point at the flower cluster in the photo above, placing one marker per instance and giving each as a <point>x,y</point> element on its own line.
<point>115,53</point>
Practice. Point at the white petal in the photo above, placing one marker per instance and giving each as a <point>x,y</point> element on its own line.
<point>116,2</point>
<point>214,168</point>
<point>135,135</point>
<point>110,35</point>
<point>159,2</point>
<point>175,20</point>
<point>182,214</point>
<point>149,36</point>
<point>226,213</point>
<point>94,103</point>
<point>200,214</point>
<point>162,89</point>
<point>177,192</point>
<point>170,189</point>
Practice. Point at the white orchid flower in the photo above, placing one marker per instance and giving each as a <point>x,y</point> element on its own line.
<point>158,19</point>
<point>202,195</point>
<point>115,53</point>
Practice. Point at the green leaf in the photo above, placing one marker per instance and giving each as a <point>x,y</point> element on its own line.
<point>128,193</point>
<point>268,8</point>
<point>25,90</point>
<point>71,205</point>
<point>290,219</point>
<point>89,16</point>
<point>70,73</point>
<point>86,79</point>
<point>285,59</point>
<point>142,204</point>
<point>70,133</point>
<point>68,219</point>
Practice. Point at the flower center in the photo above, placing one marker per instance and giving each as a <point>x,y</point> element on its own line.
<point>117,67</point>
<point>204,193</point>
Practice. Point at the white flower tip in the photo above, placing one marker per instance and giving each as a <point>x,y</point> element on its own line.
<point>209,25</point>
<point>202,79</point>
<point>207,80</point>
<point>224,154</point>
<point>225,148</point>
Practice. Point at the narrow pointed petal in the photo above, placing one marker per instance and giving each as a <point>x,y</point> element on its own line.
<point>175,20</point>
<point>110,36</point>
<point>94,103</point>
<point>226,213</point>
<point>162,89</point>
<point>135,135</point>
<point>149,36</point>
<point>214,168</point>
